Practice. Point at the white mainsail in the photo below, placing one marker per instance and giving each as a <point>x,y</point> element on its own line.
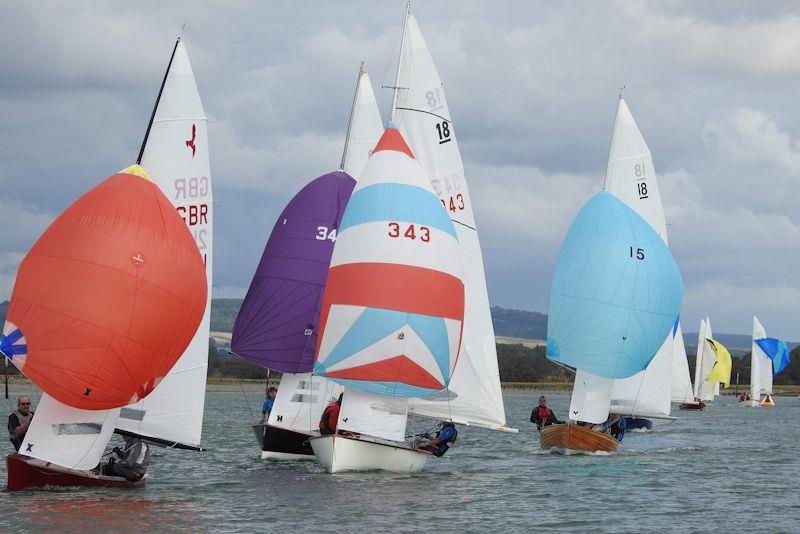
<point>631,177</point>
<point>681,379</point>
<point>760,364</point>
<point>364,129</point>
<point>175,154</point>
<point>422,116</point>
<point>705,361</point>
<point>67,436</point>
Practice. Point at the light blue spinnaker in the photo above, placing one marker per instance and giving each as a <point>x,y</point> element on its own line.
<point>777,351</point>
<point>615,294</point>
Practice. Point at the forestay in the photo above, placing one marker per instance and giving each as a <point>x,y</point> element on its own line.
<point>67,436</point>
<point>631,177</point>
<point>422,115</point>
<point>175,153</point>
<point>374,415</point>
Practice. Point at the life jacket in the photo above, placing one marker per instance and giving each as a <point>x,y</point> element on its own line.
<point>325,421</point>
<point>442,447</point>
<point>544,413</point>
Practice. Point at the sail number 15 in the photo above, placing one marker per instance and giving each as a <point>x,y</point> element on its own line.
<point>638,253</point>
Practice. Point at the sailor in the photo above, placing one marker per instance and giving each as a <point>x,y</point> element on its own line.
<point>442,440</point>
<point>330,417</point>
<point>542,415</point>
<point>134,458</point>
<point>266,408</point>
<point>19,421</point>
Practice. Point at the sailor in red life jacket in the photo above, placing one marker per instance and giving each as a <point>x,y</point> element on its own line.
<point>542,415</point>
<point>330,417</point>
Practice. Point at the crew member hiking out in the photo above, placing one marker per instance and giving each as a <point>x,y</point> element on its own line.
<point>330,417</point>
<point>134,458</point>
<point>542,415</point>
<point>440,442</point>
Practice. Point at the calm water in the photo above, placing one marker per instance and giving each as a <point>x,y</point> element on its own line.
<point>727,467</point>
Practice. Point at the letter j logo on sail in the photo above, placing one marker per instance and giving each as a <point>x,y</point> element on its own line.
<point>190,142</point>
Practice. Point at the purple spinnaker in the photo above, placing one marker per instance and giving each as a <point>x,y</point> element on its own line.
<point>277,325</point>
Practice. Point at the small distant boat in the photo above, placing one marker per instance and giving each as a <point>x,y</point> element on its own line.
<point>610,262</point>
<point>768,357</point>
<point>277,325</point>
<point>712,366</point>
<point>699,405</point>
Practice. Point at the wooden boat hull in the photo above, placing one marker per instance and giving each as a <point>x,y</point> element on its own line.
<point>284,444</point>
<point>570,439</point>
<point>692,406</point>
<point>338,454</point>
<point>29,473</point>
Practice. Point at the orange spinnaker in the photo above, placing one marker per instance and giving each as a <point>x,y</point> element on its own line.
<point>109,297</point>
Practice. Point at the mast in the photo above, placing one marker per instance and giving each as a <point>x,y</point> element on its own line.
<point>399,62</point>
<point>155,106</point>
<point>350,120</point>
<point>611,145</point>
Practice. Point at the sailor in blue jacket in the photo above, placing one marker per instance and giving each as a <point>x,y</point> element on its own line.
<point>442,440</point>
<point>266,408</point>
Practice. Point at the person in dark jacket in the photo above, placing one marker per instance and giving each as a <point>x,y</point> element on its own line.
<point>442,440</point>
<point>19,421</point>
<point>543,416</point>
<point>133,460</point>
<point>330,417</point>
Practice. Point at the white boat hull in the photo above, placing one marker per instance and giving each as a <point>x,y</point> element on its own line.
<point>749,403</point>
<point>339,454</point>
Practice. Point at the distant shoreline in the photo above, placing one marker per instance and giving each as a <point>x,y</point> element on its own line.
<point>218,384</point>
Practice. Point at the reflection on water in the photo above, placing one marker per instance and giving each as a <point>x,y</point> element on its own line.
<point>724,466</point>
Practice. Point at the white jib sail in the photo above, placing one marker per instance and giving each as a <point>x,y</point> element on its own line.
<point>760,364</point>
<point>176,157</point>
<point>67,436</point>
<point>591,398</point>
<point>422,116</point>
<point>300,401</point>
<point>631,177</point>
<point>373,415</point>
<point>365,128</point>
<point>681,379</point>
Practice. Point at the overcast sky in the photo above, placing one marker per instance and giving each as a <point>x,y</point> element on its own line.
<point>532,87</point>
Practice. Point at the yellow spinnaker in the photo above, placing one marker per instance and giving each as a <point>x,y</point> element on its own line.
<point>722,369</point>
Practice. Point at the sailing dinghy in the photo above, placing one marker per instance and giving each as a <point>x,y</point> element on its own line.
<point>769,356</point>
<point>65,442</point>
<point>392,312</point>
<point>616,292</point>
<point>277,325</point>
<point>420,110</point>
<point>713,366</point>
